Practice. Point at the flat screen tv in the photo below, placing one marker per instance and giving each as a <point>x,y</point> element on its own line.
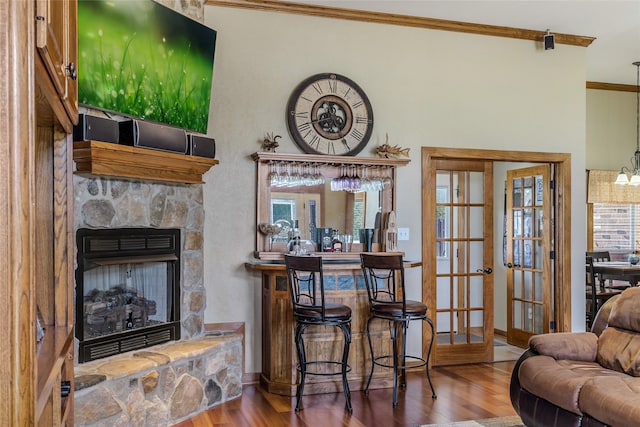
<point>144,60</point>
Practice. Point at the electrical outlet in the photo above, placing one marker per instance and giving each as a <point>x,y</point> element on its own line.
<point>403,233</point>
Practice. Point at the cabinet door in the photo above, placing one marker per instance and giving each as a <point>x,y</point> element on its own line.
<point>56,40</point>
<point>70,101</point>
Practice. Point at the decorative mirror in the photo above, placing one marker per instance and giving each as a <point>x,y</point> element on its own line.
<point>321,193</point>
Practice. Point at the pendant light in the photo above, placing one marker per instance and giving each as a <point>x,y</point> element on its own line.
<point>635,160</point>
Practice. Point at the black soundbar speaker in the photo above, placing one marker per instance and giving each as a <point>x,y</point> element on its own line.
<point>202,146</point>
<point>92,128</point>
<point>140,133</point>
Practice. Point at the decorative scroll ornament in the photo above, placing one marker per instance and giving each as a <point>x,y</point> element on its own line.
<point>385,150</point>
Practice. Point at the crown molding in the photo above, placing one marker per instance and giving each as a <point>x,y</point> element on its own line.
<point>613,86</point>
<point>402,20</point>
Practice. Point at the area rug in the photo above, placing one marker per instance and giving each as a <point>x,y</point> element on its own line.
<point>512,421</point>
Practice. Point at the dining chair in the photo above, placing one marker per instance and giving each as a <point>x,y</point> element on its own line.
<point>595,294</point>
<point>384,280</point>
<point>310,308</point>
<point>615,282</point>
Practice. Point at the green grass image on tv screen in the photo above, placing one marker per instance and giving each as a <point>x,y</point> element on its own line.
<point>141,59</point>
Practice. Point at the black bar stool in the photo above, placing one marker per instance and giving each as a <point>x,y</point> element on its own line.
<point>306,282</point>
<point>384,279</point>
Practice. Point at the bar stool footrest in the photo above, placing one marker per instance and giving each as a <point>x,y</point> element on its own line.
<point>422,362</point>
<point>324,362</point>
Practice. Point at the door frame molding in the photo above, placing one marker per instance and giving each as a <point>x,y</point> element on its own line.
<point>562,230</point>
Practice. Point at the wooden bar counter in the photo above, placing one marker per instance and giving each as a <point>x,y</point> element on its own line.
<point>344,284</point>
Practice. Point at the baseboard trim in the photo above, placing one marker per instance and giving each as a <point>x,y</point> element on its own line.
<point>249,378</point>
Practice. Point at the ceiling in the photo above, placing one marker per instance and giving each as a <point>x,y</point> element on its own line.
<point>614,23</point>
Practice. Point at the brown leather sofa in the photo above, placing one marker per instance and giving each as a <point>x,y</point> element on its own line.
<point>584,378</point>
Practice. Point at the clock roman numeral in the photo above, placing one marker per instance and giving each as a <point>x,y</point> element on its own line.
<point>346,144</point>
<point>301,114</point>
<point>315,142</point>
<point>358,104</point>
<point>304,126</point>
<point>317,87</point>
<point>330,148</point>
<point>357,135</point>
<point>333,86</point>
<point>346,94</point>
<point>362,120</point>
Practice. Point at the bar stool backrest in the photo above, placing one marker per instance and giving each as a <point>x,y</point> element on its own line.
<point>384,278</point>
<point>306,284</point>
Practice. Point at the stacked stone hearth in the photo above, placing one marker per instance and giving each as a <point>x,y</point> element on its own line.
<point>163,384</point>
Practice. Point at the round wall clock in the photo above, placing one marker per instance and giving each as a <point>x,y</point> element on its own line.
<point>329,114</point>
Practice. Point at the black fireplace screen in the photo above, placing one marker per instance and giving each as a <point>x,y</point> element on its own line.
<point>127,290</point>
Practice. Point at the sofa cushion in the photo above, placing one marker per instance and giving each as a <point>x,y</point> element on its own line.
<point>575,346</point>
<point>624,313</point>
<point>619,349</point>
<point>613,400</point>
<point>559,381</point>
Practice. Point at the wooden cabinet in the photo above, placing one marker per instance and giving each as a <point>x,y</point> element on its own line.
<point>56,42</point>
<point>36,276</point>
<point>343,284</point>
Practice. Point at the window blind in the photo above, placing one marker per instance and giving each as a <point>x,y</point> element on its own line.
<point>601,189</point>
<point>616,227</point>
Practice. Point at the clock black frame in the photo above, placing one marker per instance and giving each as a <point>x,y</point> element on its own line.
<point>329,114</point>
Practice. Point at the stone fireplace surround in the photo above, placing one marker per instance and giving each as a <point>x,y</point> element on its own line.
<point>164,384</point>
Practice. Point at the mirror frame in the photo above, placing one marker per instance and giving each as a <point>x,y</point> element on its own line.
<point>330,167</point>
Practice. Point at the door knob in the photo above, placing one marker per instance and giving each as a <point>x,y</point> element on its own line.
<point>487,270</point>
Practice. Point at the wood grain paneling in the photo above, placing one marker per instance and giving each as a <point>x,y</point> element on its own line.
<point>103,158</point>
<point>279,358</point>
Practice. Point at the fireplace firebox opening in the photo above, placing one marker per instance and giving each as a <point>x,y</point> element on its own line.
<point>127,290</point>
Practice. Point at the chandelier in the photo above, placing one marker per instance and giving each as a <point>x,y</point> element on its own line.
<point>635,160</point>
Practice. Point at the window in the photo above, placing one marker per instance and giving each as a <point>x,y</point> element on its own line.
<point>616,228</point>
<point>442,220</point>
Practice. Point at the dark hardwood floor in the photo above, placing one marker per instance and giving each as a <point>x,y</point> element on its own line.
<point>464,392</point>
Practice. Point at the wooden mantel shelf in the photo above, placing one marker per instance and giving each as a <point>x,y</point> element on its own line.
<point>108,159</point>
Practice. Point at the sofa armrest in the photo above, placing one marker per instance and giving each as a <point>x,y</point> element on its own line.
<point>580,346</point>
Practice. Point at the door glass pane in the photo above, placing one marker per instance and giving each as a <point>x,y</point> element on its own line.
<point>460,300</point>
<point>517,223</point>
<point>476,292</point>
<point>517,193</point>
<point>443,320</point>
<point>527,253</point>
<point>528,222</point>
<point>538,200</point>
<point>539,223</point>
<point>517,253</point>
<point>528,317</point>
<point>528,285</point>
<point>476,221</point>
<point>538,286</point>
<point>528,191</point>
<point>476,187</point>
<point>517,314</point>
<point>459,227</point>
<point>538,325</point>
<point>517,284</point>
<point>538,255</point>
<point>443,299</point>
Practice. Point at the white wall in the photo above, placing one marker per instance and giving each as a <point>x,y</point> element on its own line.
<point>611,129</point>
<point>427,88</point>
